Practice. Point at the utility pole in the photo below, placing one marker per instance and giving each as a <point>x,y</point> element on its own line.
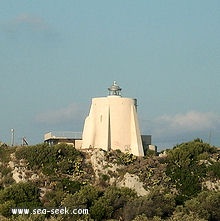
<point>12,137</point>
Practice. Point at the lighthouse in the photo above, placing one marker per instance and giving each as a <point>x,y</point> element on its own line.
<point>112,124</point>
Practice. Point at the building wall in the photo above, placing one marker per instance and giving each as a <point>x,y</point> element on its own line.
<point>113,124</point>
<point>95,133</point>
<point>146,140</point>
<point>78,144</point>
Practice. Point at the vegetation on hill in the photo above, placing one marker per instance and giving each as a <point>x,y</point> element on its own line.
<point>187,168</point>
<point>182,184</point>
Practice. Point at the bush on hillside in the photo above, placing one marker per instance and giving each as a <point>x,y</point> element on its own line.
<point>158,203</point>
<point>19,195</point>
<point>214,170</point>
<point>185,169</point>
<point>60,158</point>
<point>206,205</point>
<point>111,204</point>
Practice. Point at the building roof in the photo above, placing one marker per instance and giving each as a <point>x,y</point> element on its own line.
<point>63,135</point>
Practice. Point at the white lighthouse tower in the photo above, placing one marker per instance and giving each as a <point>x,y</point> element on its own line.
<point>113,124</point>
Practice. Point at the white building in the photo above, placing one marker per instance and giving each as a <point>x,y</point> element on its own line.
<point>68,137</point>
<point>112,123</point>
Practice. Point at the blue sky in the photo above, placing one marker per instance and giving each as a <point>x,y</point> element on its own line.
<point>56,55</point>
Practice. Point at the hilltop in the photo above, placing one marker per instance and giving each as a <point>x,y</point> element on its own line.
<point>182,183</point>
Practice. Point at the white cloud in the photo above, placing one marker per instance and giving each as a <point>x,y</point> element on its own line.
<point>168,130</point>
<point>66,114</point>
<point>190,121</point>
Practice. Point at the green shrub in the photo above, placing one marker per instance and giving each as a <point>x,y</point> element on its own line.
<point>23,195</point>
<point>111,204</point>
<point>20,192</point>
<point>182,214</point>
<point>125,158</point>
<point>84,197</point>
<point>31,217</point>
<point>5,153</point>
<point>203,156</point>
<point>69,186</point>
<point>60,158</point>
<point>158,203</point>
<point>101,209</point>
<point>53,199</point>
<point>5,207</point>
<point>214,170</point>
<point>6,181</point>
<point>206,205</point>
<point>6,174</point>
<point>184,167</point>
<point>150,153</point>
<point>5,170</point>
